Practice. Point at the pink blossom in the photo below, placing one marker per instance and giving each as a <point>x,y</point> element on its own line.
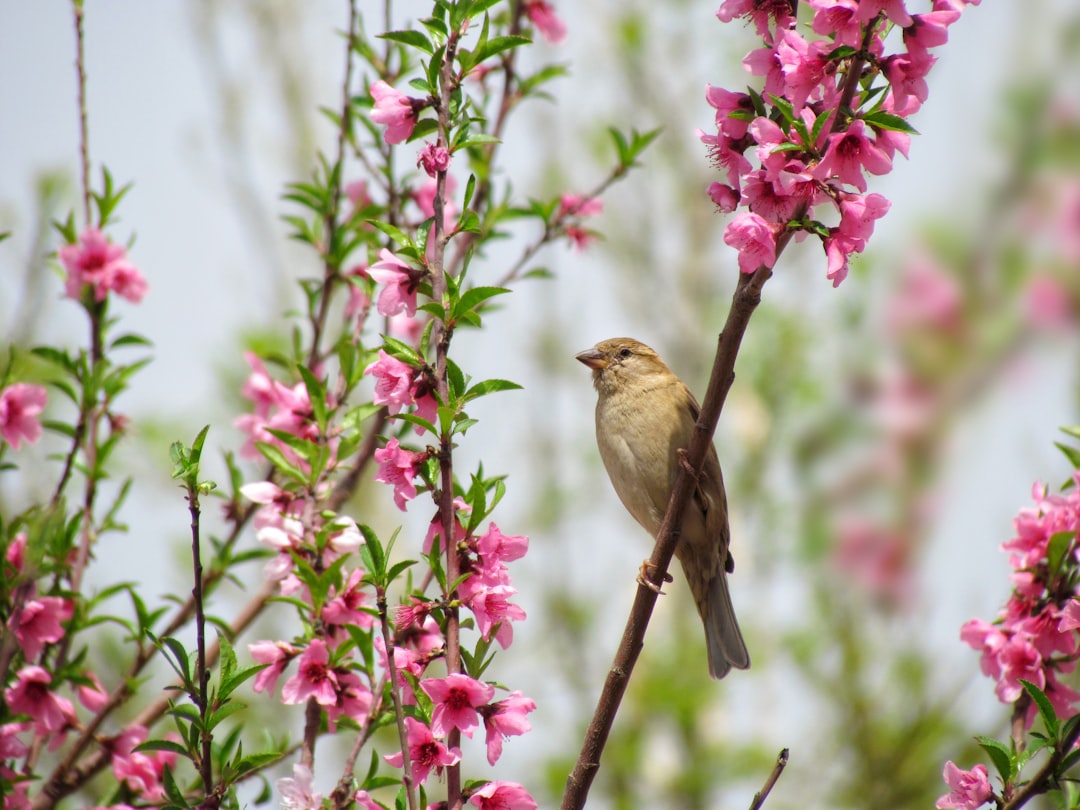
<point>20,405</point>
<point>298,791</point>
<point>393,110</point>
<point>16,552</point>
<point>496,546</point>
<point>724,197</point>
<point>354,700</point>
<point>754,238</point>
<point>393,384</point>
<point>435,527</point>
<point>141,771</point>
<point>405,660</point>
<point>765,62</point>
<point>456,700</point>
<point>507,718</point>
<point>277,655</point>
<point>878,558</point>
<point>493,610</point>
<point>726,102</point>
<point>927,31</point>
<point>398,467</point>
<point>803,64</point>
<point>424,197</point>
<point>31,695</point>
<point>907,82</point>
<point>346,608</point>
<point>579,206</point>
<point>894,10</point>
<point>433,159</point>
<point>761,12</point>
<point>37,623</point>
<point>502,796</point>
<point>363,798</point>
<point>93,695</point>
<point>839,18</point>
<point>858,215</point>
<point>1070,616</point>
<point>1047,304</point>
<point>727,154</point>
<point>425,752</point>
<point>927,297</point>
<point>406,328</point>
<point>96,261</point>
<point>314,677</point>
<point>967,789</point>
<point>11,747</point>
<point>763,199</point>
<point>358,194</point>
<point>848,153</point>
<point>547,22</point>
<point>400,282</point>
<point>769,138</point>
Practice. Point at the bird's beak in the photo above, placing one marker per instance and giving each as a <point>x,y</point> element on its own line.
<point>593,358</point>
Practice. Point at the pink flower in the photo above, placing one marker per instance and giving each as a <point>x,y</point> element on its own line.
<point>839,18</point>
<point>398,467</point>
<point>393,110</point>
<point>393,381</point>
<point>143,772</point>
<point>298,791</point>
<point>727,154</point>
<point>425,751</point>
<point>577,205</point>
<point>760,12</point>
<point>493,610</point>
<point>277,655</point>
<point>502,796</point>
<point>927,31</point>
<point>96,261</point>
<point>433,159</point>
<point>1019,660</point>
<point>314,677</point>
<point>400,282</point>
<point>93,697</point>
<point>726,102</point>
<point>894,10</point>
<point>907,82</point>
<point>354,701</point>
<point>1047,304</point>
<point>20,405</point>
<point>967,789</point>
<point>857,217</point>
<point>31,695</point>
<point>38,623</point>
<point>877,557</point>
<point>755,240</point>
<point>547,22</point>
<point>346,607</point>
<point>456,699</point>
<point>803,65</point>
<point>507,718</point>
<point>724,197</point>
<point>495,549</point>
<point>1070,616</point>
<point>848,153</point>
<point>927,297</point>
<point>16,552</point>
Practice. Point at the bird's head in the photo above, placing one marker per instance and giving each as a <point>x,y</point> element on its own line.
<point>621,362</point>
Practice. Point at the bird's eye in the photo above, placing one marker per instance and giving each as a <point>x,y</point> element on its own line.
<point>625,353</point>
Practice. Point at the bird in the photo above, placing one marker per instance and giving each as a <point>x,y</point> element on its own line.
<point>645,417</point>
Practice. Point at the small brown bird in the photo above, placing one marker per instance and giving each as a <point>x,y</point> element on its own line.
<point>645,416</point>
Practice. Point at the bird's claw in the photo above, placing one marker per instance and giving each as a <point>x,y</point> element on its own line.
<point>684,462</point>
<point>644,579</point>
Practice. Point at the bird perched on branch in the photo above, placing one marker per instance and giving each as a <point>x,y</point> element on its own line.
<point>645,417</point>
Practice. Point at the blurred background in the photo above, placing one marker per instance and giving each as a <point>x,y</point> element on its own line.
<point>877,442</point>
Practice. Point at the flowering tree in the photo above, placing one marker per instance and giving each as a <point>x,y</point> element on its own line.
<point>393,642</point>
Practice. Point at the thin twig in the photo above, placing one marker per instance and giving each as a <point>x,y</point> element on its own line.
<point>778,768</point>
<point>202,671</point>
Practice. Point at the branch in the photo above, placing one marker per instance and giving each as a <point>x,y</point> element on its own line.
<point>778,768</point>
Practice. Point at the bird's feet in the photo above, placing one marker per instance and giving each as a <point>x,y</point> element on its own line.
<point>644,577</point>
<point>684,462</point>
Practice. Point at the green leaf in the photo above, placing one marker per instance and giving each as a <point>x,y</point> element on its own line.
<point>402,351</point>
<point>396,234</point>
<point>475,296</point>
<point>489,387</point>
<point>412,38</point>
<point>1000,754</point>
<point>316,395</point>
<point>497,45</point>
<point>884,120</point>
<point>1071,453</point>
<point>1046,708</point>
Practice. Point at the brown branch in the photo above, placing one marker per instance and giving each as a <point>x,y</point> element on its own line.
<point>84,138</point>
<point>1046,778</point>
<point>766,789</point>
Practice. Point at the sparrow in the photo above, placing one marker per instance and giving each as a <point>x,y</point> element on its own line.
<point>645,417</point>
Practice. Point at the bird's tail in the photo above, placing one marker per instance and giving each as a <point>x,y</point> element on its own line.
<point>723,639</point>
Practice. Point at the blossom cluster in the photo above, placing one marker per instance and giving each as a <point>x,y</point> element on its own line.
<point>96,263</point>
<point>1035,636</point>
<point>822,121</point>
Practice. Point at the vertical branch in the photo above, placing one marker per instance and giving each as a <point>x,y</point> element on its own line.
<point>442,348</point>
<point>84,138</point>
<point>395,692</point>
<point>330,219</point>
<point>201,671</point>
